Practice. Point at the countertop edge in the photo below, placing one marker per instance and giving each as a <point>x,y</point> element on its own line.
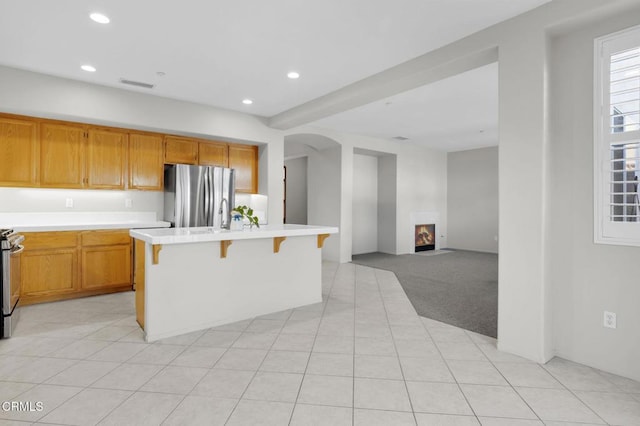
<point>225,235</point>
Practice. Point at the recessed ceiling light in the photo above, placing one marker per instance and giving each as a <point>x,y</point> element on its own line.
<point>100,18</point>
<point>247,101</point>
<point>88,68</point>
<point>293,75</point>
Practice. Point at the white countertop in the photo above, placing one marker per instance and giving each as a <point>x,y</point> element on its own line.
<point>207,234</point>
<point>90,226</point>
<point>78,221</point>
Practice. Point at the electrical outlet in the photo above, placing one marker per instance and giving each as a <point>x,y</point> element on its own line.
<point>68,203</point>
<point>609,319</point>
<point>128,203</point>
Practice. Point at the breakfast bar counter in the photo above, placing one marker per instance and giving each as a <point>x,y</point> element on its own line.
<point>195,278</point>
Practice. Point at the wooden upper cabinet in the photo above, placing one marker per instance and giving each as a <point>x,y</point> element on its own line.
<point>19,148</point>
<point>244,159</point>
<point>146,161</point>
<point>180,150</point>
<point>47,153</point>
<point>213,154</point>
<point>61,155</point>
<point>106,159</point>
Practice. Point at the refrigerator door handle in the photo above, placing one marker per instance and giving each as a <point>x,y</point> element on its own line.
<point>212,205</point>
<point>182,191</point>
<point>207,212</point>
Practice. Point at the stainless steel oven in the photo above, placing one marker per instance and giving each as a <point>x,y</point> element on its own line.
<point>10,284</point>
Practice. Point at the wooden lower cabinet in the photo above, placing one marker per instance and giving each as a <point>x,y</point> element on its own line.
<point>138,279</point>
<point>108,266</point>
<point>49,273</point>
<point>70,264</point>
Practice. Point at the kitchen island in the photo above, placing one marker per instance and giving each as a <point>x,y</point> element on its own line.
<point>195,278</point>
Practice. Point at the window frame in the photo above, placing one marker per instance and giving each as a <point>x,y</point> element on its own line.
<point>605,230</point>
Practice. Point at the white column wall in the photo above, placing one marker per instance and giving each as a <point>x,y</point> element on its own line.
<point>296,190</point>
<point>324,200</point>
<point>387,184</point>
<point>365,204</point>
<point>586,278</point>
<point>522,313</point>
<point>472,199</point>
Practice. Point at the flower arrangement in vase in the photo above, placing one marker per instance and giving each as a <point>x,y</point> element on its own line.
<point>239,213</point>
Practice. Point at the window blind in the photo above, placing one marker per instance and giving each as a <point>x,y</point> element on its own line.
<point>617,138</point>
<point>624,114</point>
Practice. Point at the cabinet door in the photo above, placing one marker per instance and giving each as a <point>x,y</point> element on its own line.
<point>61,155</point>
<point>244,159</point>
<point>213,154</point>
<point>106,266</point>
<point>18,152</point>
<point>146,161</point>
<point>48,272</point>
<point>106,159</point>
<point>180,150</point>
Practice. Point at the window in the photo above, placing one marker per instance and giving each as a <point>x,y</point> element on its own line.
<point>617,138</point>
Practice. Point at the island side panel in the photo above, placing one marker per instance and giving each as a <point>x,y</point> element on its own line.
<point>192,288</point>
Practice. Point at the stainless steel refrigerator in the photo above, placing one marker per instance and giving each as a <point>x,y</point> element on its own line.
<point>198,195</point>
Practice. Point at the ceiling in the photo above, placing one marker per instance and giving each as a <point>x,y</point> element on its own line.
<point>457,113</point>
<point>220,52</point>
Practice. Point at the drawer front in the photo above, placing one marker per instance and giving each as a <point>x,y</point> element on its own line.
<point>49,240</point>
<point>105,238</point>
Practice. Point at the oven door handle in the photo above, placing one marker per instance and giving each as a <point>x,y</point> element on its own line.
<point>17,249</point>
<point>16,239</point>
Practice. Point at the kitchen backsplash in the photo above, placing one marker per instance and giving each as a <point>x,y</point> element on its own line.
<point>35,200</point>
<point>79,200</point>
<point>259,203</point>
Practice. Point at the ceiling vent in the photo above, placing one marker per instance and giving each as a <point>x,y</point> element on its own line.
<point>136,83</point>
<point>400,138</point>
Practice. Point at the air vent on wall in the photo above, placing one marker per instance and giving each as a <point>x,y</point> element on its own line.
<point>400,138</point>
<point>136,83</point>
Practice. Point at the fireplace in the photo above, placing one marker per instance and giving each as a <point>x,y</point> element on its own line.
<point>425,237</point>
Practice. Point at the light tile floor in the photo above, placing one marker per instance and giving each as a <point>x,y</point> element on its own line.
<point>362,357</point>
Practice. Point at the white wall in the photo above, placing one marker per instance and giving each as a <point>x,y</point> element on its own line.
<point>419,184</point>
<point>365,204</point>
<point>472,199</point>
<point>387,184</point>
<point>296,190</point>
<point>324,171</point>
<point>40,95</point>
<point>586,278</point>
